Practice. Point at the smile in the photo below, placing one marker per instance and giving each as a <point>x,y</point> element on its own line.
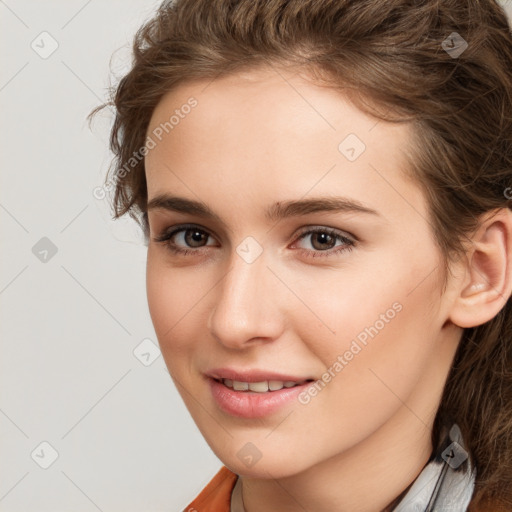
<point>255,399</point>
<point>260,387</point>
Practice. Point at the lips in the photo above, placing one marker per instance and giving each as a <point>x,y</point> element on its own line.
<point>254,393</point>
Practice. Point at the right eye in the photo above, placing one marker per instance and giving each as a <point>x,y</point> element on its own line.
<point>189,234</point>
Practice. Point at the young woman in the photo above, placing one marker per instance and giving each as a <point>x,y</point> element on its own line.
<point>325,187</point>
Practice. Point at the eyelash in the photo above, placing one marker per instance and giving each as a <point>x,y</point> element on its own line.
<point>349,244</point>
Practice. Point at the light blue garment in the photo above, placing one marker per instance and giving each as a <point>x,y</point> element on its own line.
<point>446,483</point>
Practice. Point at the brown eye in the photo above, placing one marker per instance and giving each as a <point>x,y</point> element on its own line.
<point>184,239</point>
<point>194,237</point>
<point>321,240</point>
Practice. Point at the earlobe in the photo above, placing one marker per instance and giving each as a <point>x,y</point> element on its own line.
<point>488,274</point>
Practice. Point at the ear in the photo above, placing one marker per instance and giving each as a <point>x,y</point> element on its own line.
<point>487,282</point>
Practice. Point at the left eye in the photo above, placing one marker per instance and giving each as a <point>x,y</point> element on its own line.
<point>320,237</point>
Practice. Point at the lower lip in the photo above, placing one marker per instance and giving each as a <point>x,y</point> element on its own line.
<point>251,404</point>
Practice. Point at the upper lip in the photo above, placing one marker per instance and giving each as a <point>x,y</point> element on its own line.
<point>253,375</point>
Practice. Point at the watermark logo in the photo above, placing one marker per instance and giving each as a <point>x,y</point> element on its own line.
<point>454,455</point>
<point>249,454</point>
<point>454,45</point>
<point>44,45</point>
<point>249,249</point>
<point>351,147</point>
<point>44,455</point>
<point>44,250</point>
<point>146,352</point>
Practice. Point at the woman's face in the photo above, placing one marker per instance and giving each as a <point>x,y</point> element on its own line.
<point>276,283</point>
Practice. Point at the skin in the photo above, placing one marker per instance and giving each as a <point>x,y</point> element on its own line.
<point>265,136</point>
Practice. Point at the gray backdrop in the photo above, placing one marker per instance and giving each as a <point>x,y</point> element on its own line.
<point>89,417</point>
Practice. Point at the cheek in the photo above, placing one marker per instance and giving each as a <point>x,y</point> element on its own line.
<point>379,330</point>
<point>367,382</point>
<point>171,300</point>
<point>367,300</point>
<point>161,299</point>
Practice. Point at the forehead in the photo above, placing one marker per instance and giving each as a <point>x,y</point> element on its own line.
<point>269,101</point>
<point>271,132</point>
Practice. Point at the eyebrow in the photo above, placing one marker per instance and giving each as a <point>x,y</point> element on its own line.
<point>277,211</point>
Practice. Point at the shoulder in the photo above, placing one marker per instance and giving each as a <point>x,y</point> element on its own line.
<point>216,496</point>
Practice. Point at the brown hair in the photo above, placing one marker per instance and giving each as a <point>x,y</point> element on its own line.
<point>389,58</point>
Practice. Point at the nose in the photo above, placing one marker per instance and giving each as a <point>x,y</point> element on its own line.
<point>247,308</point>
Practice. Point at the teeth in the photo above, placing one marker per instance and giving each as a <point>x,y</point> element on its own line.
<point>260,387</point>
<point>240,386</point>
<point>275,385</point>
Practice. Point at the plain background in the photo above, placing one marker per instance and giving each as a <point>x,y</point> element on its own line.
<point>80,366</point>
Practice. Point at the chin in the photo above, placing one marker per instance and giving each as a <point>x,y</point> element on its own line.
<point>276,465</point>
